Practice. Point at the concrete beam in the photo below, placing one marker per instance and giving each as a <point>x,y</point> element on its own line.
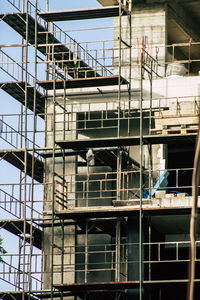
<point>125,3</point>
<point>108,2</point>
<point>115,2</point>
<point>166,1</point>
<point>141,4</point>
<point>184,20</point>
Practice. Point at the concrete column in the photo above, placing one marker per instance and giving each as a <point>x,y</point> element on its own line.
<point>149,30</point>
<point>69,231</point>
<point>133,253</point>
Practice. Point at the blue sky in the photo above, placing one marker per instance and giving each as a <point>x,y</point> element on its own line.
<point>8,173</point>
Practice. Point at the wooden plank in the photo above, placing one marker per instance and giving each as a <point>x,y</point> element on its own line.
<point>81,14</point>
<point>97,286</point>
<point>82,82</point>
<point>179,131</point>
<point>123,211</point>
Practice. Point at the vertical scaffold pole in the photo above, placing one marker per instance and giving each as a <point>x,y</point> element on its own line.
<point>33,152</point>
<point>141,175</point>
<point>150,127</point>
<point>117,265</point>
<point>86,251</point>
<point>119,81</point>
<point>63,183</point>
<point>53,174</point>
<point>149,269</point>
<point>130,68</point>
<point>25,155</point>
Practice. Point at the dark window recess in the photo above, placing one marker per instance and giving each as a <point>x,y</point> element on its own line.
<point>98,120</point>
<point>180,164</point>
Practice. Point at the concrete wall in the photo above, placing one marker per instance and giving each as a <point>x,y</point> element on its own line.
<point>146,22</point>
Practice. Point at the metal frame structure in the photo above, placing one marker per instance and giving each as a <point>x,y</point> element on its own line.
<point>49,201</point>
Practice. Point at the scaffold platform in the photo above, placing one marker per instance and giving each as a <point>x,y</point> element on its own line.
<point>127,141</point>
<point>17,227</point>
<point>17,91</point>
<point>17,159</point>
<point>17,21</point>
<point>97,286</point>
<point>122,211</point>
<point>81,14</point>
<point>83,82</point>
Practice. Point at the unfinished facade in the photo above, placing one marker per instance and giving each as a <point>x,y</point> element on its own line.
<point>104,141</point>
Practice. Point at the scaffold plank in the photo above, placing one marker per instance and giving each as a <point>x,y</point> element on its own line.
<point>123,211</point>
<point>97,286</point>
<point>17,158</point>
<point>81,14</point>
<point>17,227</point>
<point>127,141</point>
<point>17,21</point>
<point>82,82</point>
<point>17,91</point>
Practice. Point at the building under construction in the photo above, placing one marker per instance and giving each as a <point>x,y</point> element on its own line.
<point>99,150</point>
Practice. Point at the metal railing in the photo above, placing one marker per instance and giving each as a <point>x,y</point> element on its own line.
<point>13,137</point>
<point>79,53</point>
<point>102,259</point>
<point>16,71</point>
<point>11,123</point>
<point>176,251</point>
<point>86,118</point>
<point>19,275</point>
<point>101,189</point>
<point>16,207</point>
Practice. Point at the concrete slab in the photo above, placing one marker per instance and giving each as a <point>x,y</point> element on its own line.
<point>108,2</point>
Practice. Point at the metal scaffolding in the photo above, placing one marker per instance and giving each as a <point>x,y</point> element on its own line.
<point>87,230</point>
